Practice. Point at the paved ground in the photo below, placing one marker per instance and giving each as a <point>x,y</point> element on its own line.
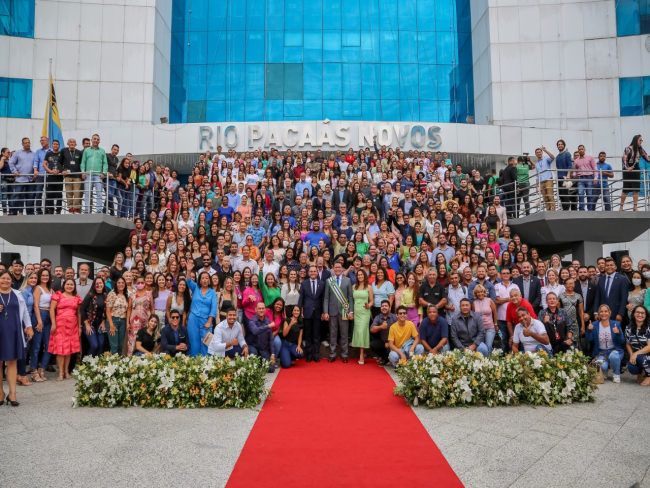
<point>47,443</point>
<point>602,444</point>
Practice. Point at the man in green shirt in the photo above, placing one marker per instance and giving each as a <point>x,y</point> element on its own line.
<point>94,167</point>
<point>524,165</point>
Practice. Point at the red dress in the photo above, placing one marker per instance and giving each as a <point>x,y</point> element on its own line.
<point>65,340</point>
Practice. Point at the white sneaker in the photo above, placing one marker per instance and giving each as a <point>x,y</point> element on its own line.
<point>325,343</point>
<point>616,378</point>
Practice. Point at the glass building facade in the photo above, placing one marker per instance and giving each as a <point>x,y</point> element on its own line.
<point>270,60</point>
<point>17,18</point>
<point>15,98</point>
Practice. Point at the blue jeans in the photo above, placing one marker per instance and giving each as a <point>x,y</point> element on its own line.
<point>21,199</point>
<point>93,182</point>
<point>289,352</point>
<point>41,339</point>
<point>394,358</point>
<point>505,335</point>
<point>585,185</point>
<point>125,202</point>
<point>234,351</point>
<point>596,194</point>
<point>546,349</point>
<point>147,203</point>
<point>642,365</point>
<point>5,198</point>
<point>113,192</point>
<point>37,196</point>
<point>95,341</point>
<point>489,338</point>
<point>614,360</point>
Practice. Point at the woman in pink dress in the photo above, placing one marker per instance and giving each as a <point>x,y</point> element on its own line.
<point>138,313</point>
<point>66,320</point>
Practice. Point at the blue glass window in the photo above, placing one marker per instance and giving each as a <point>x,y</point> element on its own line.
<point>631,97</point>
<point>17,18</point>
<point>387,60</point>
<point>15,98</point>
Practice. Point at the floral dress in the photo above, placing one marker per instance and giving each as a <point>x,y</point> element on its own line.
<point>140,313</point>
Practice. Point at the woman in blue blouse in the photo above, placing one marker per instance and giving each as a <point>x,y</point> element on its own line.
<point>202,311</point>
<point>382,289</point>
<point>637,335</point>
<point>608,341</point>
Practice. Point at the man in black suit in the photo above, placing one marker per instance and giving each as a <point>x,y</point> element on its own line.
<point>174,338</point>
<point>530,286</point>
<point>279,204</point>
<point>310,302</point>
<point>587,290</point>
<point>612,290</point>
<point>341,195</point>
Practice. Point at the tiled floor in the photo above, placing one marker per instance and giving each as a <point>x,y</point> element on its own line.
<point>48,443</point>
<point>602,444</point>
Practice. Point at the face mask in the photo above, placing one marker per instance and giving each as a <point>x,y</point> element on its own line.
<point>646,275</point>
<point>140,286</point>
<point>636,282</point>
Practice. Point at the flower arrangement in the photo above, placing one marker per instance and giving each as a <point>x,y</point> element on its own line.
<point>466,378</point>
<point>163,381</point>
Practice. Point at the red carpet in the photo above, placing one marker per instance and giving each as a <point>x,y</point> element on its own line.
<point>339,425</point>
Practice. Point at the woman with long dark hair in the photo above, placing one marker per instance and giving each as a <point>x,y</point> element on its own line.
<point>631,170</point>
<point>637,343</point>
<point>117,304</point>
<point>93,317</point>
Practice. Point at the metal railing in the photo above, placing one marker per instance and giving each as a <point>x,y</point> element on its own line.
<point>577,193</point>
<point>74,193</point>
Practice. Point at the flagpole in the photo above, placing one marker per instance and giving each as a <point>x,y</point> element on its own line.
<point>49,104</point>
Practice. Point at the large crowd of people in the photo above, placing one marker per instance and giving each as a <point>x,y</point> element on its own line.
<point>284,256</point>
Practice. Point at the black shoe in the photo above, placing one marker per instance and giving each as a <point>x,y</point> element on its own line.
<point>309,360</point>
<point>331,360</point>
<point>345,360</point>
<point>317,360</point>
<point>13,403</point>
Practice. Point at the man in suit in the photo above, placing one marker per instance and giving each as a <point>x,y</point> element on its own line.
<point>530,286</point>
<point>334,312</point>
<point>341,195</point>
<point>612,290</point>
<point>587,290</point>
<point>310,302</point>
<point>279,204</point>
<point>174,339</point>
<point>323,273</point>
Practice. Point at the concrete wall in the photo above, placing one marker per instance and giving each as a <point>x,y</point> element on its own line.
<point>110,62</point>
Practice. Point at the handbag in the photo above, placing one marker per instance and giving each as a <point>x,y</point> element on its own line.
<point>599,379</point>
<point>207,338</point>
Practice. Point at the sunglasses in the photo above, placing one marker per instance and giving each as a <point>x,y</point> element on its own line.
<point>175,317</point>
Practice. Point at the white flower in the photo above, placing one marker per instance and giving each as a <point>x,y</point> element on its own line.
<point>467,395</point>
<point>537,362</point>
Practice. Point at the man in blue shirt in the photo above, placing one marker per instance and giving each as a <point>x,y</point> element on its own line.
<point>302,185</point>
<point>39,174</point>
<point>434,332</point>
<point>602,187</point>
<point>21,165</point>
<point>314,237</point>
<point>234,200</point>
<point>545,177</point>
<point>563,163</point>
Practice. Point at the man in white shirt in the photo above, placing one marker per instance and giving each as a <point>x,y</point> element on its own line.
<point>228,339</point>
<point>503,298</point>
<point>531,333</point>
<point>246,262</point>
<point>269,265</point>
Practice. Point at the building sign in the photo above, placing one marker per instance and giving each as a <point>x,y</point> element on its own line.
<point>325,135</point>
